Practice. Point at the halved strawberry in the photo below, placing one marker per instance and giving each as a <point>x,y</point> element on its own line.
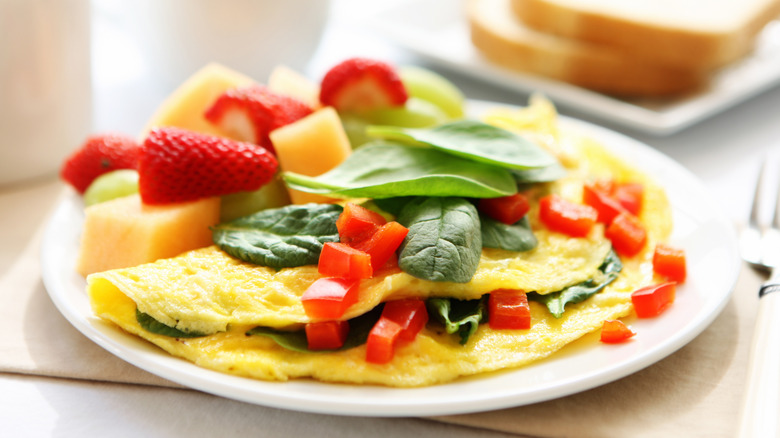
<point>99,154</point>
<point>360,84</point>
<point>250,113</point>
<point>177,165</point>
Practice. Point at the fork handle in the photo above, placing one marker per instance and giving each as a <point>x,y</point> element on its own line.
<point>762,398</point>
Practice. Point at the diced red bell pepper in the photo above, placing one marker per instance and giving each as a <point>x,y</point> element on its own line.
<point>606,207</point>
<point>506,209</point>
<point>341,260</point>
<point>669,262</point>
<point>627,234</point>
<point>567,217</point>
<point>615,332</point>
<point>508,309</point>
<point>357,223</point>
<point>411,314</point>
<point>381,246</point>
<point>630,196</point>
<point>380,346</point>
<point>604,185</point>
<point>652,300</point>
<point>329,298</point>
<point>326,335</point>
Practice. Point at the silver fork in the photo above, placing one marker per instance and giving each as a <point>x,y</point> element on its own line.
<point>760,246</point>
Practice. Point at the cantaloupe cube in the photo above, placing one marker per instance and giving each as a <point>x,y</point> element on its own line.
<point>124,232</point>
<point>311,146</point>
<point>284,80</point>
<point>185,107</point>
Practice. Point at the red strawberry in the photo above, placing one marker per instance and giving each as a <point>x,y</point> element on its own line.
<point>99,154</point>
<point>177,165</point>
<point>251,113</point>
<point>360,84</point>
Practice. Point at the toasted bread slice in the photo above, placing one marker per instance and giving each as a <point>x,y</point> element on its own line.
<point>689,34</point>
<point>505,40</point>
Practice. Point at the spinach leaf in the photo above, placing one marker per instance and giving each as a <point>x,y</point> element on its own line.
<point>148,323</point>
<point>516,237</point>
<point>282,237</point>
<point>359,327</point>
<point>539,174</point>
<point>458,316</point>
<point>393,205</point>
<point>557,301</point>
<point>386,170</point>
<point>473,140</point>
<point>444,242</point>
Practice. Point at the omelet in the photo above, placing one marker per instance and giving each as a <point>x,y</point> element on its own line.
<point>209,292</point>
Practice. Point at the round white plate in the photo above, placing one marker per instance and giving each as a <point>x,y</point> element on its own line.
<point>700,227</point>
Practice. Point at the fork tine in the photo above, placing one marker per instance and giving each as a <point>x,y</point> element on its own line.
<point>751,241</point>
<point>755,208</point>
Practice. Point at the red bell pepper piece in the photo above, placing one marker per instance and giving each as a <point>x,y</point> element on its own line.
<point>326,335</point>
<point>630,196</point>
<point>340,260</point>
<point>357,223</point>
<point>381,246</point>
<point>650,301</point>
<point>627,234</point>
<point>669,262</point>
<point>566,217</point>
<point>615,332</point>
<point>329,298</point>
<point>380,346</point>
<point>606,207</point>
<point>411,314</point>
<point>508,309</point>
<point>506,209</point>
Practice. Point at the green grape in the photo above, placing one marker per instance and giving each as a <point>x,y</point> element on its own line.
<point>272,195</point>
<point>416,113</point>
<point>355,128</point>
<point>111,185</point>
<point>435,88</point>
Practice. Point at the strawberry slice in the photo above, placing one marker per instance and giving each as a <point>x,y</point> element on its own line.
<point>250,113</point>
<point>361,84</point>
<point>99,154</point>
<point>177,165</point>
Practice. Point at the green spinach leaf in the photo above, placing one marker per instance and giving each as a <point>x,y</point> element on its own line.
<point>458,316</point>
<point>516,237</point>
<point>386,170</point>
<point>473,140</point>
<point>148,323</point>
<point>539,174</point>
<point>557,301</point>
<point>444,241</point>
<point>295,340</point>
<point>282,237</point>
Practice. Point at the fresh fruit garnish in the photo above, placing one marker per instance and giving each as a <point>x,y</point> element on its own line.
<point>435,88</point>
<point>99,154</point>
<point>176,165</point>
<point>111,185</point>
<point>361,84</point>
<point>249,114</point>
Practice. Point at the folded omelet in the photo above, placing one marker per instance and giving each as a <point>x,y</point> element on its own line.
<point>212,293</point>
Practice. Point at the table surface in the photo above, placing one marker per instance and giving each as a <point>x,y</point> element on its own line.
<point>723,151</point>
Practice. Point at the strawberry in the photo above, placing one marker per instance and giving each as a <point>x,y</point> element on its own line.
<point>177,165</point>
<point>99,154</point>
<point>360,84</point>
<point>250,113</point>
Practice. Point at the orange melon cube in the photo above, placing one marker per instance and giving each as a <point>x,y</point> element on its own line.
<point>311,146</point>
<point>124,232</point>
<point>185,107</point>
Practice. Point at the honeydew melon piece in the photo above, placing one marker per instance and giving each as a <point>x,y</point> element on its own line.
<point>185,107</point>
<point>284,80</point>
<point>311,146</point>
<point>124,232</point>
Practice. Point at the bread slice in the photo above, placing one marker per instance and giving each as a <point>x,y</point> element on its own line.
<point>690,34</point>
<point>505,40</point>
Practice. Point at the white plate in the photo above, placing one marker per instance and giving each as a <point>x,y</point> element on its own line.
<point>437,30</point>
<point>700,228</point>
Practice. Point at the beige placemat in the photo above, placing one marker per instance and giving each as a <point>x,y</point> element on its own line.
<point>695,392</point>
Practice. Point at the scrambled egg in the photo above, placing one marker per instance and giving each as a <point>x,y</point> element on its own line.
<point>208,291</point>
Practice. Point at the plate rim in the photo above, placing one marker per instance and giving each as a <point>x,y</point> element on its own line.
<point>362,400</point>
